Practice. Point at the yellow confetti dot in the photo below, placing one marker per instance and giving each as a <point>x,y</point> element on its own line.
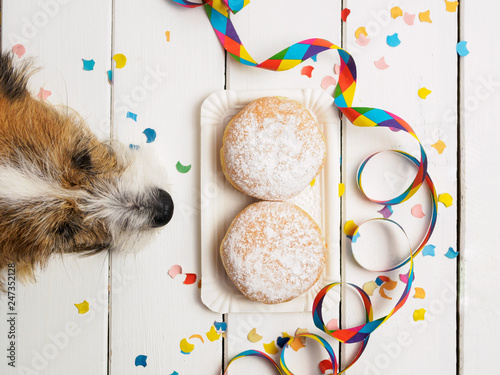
<point>423,92</point>
<point>419,314</point>
<point>120,59</point>
<point>313,182</point>
<point>419,293</point>
<point>212,335</point>
<point>186,347</point>
<point>167,34</point>
<point>350,227</point>
<point>439,146</point>
<point>370,287</point>
<point>359,31</point>
<point>253,336</point>
<point>83,307</point>
<point>445,199</point>
<point>197,337</point>
<point>451,6</point>
<point>341,189</point>
<point>396,12</point>
<point>271,348</point>
<point>425,16</point>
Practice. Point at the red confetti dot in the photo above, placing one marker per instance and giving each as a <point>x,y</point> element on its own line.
<point>325,365</point>
<point>345,12</point>
<point>307,70</point>
<point>190,278</point>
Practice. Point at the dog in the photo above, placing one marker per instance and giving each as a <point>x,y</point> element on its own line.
<point>61,189</point>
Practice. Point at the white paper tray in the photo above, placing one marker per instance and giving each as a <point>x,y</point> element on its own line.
<point>221,202</point>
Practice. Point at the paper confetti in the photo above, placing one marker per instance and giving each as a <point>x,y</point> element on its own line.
<point>355,237</point>
<point>196,336</point>
<point>182,168</point>
<point>349,228</point>
<point>393,40</point>
<point>362,40</point>
<point>359,31</point>
<point>423,92</point>
<point>253,336</point>
<point>386,212</point>
<point>296,344</point>
<point>83,307</point>
<point>396,12</point>
<point>271,348</point>
<point>140,360</point>
<point>417,211</point>
<point>120,60</point>
<point>345,13</point>
<point>167,35</point>
<point>132,115</point>
<point>369,287</point>
<point>425,16</point>
<point>43,94</point>
<point>419,293</point>
<point>419,314</point>
<point>404,277</point>
<point>381,64</point>
<point>281,341</point>
<point>174,271</point>
<point>428,250</point>
<point>150,135</point>
<point>174,373</point>
<point>307,70</point>
<point>190,279</point>
<point>186,347</point>
<point>439,146</point>
<point>328,81</point>
<point>88,65</point>
<point>341,189</point>
<point>110,76</point>
<point>326,365</point>
<point>332,324</point>
<point>462,48</point>
<point>220,326</point>
<point>451,6</point>
<point>409,19</point>
<point>19,50</point>
<point>451,254</point>
<point>336,69</point>
<point>445,199</point>
<point>212,335</point>
<point>387,285</point>
<point>312,182</point>
<point>299,331</point>
<point>134,147</point>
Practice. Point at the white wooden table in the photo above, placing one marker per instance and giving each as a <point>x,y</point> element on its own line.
<point>137,309</point>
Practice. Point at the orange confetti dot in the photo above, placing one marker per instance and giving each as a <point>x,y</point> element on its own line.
<point>359,31</point>
<point>451,6</point>
<point>295,343</point>
<point>439,146</point>
<point>167,34</point>
<point>419,293</point>
<point>396,12</point>
<point>425,16</point>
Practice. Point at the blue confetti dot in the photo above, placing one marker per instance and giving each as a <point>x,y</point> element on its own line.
<point>451,254</point>
<point>393,40</point>
<point>314,58</point>
<point>355,237</point>
<point>281,341</point>
<point>134,147</point>
<point>462,48</point>
<point>140,360</point>
<point>429,250</point>
<point>88,64</point>
<point>132,115</point>
<point>220,326</point>
<point>150,135</point>
<point>110,76</point>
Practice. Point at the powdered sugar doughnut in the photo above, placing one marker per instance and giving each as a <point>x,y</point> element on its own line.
<point>272,149</point>
<point>273,252</point>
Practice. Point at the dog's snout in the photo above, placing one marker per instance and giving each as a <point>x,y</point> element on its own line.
<point>163,208</point>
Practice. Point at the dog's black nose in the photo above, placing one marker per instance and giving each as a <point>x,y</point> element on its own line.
<point>163,208</point>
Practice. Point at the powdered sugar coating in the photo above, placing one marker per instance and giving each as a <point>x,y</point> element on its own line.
<point>272,149</point>
<point>273,252</point>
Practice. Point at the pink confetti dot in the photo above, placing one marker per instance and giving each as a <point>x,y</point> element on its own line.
<point>328,81</point>
<point>19,50</point>
<point>362,40</point>
<point>381,64</point>
<point>44,94</point>
<point>336,69</point>
<point>174,271</point>
<point>409,19</point>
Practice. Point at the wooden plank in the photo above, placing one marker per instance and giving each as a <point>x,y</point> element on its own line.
<point>479,151</point>
<point>164,82</point>
<point>50,336</point>
<point>265,29</point>
<point>426,57</point>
